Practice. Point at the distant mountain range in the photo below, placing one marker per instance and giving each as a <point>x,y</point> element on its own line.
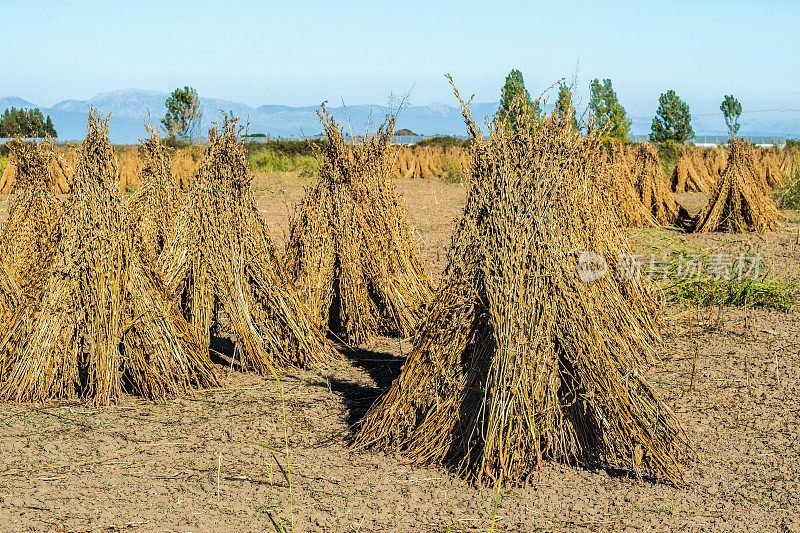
<point>130,108</point>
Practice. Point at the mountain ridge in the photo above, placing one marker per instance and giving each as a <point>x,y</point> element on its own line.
<point>130,108</point>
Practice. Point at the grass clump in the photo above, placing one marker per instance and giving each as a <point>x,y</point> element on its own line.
<point>761,288</point>
<point>274,161</point>
<point>787,197</point>
<point>452,171</point>
<point>767,292</point>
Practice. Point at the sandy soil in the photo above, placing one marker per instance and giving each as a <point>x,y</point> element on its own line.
<point>212,462</point>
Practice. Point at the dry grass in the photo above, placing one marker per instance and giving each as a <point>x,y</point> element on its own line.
<point>518,359</point>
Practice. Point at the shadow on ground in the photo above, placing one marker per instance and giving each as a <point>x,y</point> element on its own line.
<point>382,368</point>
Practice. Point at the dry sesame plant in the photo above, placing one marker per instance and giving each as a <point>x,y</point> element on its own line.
<point>652,186</point>
<point>152,210</point>
<point>789,163</point>
<point>518,359</point>
<point>739,202</point>
<point>61,174</point>
<point>221,264</point>
<point>629,208</point>
<point>716,161</point>
<point>30,233</point>
<point>699,162</point>
<point>10,306</point>
<point>686,177</point>
<point>103,324</point>
<point>351,248</point>
<point>769,168</point>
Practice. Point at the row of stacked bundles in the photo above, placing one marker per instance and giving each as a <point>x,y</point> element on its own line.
<point>515,359</point>
<point>737,182</point>
<point>698,169</point>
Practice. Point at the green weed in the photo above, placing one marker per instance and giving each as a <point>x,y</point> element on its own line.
<point>272,161</point>
<point>761,288</point>
<point>453,173</point>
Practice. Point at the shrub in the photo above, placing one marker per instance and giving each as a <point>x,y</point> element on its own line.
<point>272,161</point>
<point>445,141</point>
<point>287,147</point>
<point>452,171</point>
<point>176,143</point>
<point>792,143</point>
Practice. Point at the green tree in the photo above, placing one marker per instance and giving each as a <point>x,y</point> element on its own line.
<point>184,115</point>
<point>26,123</point>
<point>609,114</point>
<point>564,107</point>
<point>9,123</point>
<point>731,110</point>
<point>515,94</point>
<point>49,128</point>
<point>673,121</point>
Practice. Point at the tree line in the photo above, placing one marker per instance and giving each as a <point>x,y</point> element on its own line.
<point>672,122</point>
<point>28,123</point>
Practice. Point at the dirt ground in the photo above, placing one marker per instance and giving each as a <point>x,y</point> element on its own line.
<point>215,461</point>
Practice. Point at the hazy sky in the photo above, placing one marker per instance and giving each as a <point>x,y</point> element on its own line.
<point>300,53</point>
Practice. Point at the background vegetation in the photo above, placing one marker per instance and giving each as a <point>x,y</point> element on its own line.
<point>29,123</point>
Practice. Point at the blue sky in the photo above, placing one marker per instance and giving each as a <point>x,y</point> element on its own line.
<point>300,53</point>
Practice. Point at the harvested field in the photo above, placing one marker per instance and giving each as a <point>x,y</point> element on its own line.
<point>196,463</point>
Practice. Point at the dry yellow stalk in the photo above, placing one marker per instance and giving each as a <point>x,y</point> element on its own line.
<point>519,359</point>
<point>350,246</point>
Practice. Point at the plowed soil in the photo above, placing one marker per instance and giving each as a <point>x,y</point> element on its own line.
<point>218,461</point>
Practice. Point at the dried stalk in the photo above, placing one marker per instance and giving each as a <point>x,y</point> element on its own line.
<point>104,324</point>
<point>518,359</point>
<point>350,246</point>
<point>220,257</point>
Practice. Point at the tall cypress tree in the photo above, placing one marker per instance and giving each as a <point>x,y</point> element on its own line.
<point>514,89</point>
<point>609,114</point>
